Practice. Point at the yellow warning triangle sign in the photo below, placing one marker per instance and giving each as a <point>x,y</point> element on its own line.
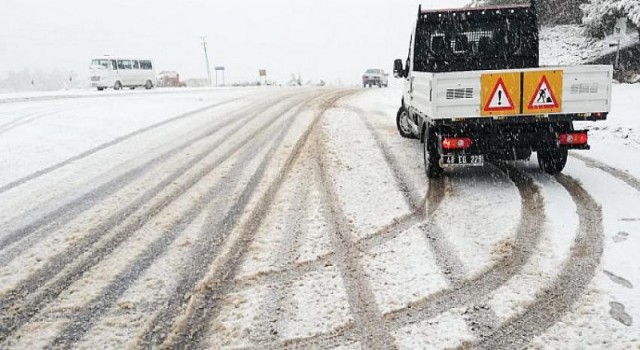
<point>499,100</point>
<point>544,96</point>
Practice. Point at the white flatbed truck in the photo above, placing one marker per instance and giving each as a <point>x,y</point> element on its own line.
<point>474,91</point>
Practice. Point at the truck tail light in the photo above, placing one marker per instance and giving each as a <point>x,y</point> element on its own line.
<point>454,143</point>
<point>574,139</point>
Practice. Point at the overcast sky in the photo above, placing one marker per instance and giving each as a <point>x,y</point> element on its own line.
<point>324,39</point>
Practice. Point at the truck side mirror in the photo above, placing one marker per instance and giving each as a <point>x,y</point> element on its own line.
<point>398,70</point>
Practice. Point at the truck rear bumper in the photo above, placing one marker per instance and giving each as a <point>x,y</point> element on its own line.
<point>508,141</point>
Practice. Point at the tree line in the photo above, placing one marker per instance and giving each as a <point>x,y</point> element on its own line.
<point>598,16</point>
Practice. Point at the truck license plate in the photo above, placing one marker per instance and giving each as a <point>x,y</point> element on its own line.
<point>463,160</point>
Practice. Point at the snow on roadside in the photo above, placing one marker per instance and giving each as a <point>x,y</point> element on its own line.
<point>610,306</point>
<point>616,141</point>
<point>566,45</point>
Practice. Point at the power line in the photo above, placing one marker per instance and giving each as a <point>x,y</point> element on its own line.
<point>206,57</point>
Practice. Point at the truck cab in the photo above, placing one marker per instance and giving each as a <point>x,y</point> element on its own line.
<point>474,91</point>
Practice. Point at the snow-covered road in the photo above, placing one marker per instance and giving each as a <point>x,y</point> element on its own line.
<point>298,218</point>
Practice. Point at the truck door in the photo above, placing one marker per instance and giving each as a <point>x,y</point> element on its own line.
<point>408,83</point>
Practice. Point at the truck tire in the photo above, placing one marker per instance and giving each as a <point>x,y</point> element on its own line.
<point>117,86</point>
<point>431,155</point>
<point>148,85</point>
<point>553,161</point>
<point>402,123</point>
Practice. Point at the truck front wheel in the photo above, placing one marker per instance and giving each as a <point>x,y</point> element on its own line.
<point>431,156</point>
<point>402,122</point>
<point>553,161</point>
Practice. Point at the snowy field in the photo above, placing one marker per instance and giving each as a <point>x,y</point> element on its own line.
<point>281,218</point>
<point>568,45</point>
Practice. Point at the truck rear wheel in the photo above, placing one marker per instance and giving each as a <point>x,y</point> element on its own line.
<point>553,161</point>
<point>431,156</point>
<point>402,122</point>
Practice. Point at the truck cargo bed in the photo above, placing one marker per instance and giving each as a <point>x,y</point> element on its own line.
<point>579,92</point>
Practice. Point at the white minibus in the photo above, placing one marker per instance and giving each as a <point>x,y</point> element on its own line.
<point>122,72</point>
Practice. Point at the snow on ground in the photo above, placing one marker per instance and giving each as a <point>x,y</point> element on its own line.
<point>318,303</point>
<point>446,331</point>
<point>479,216</point>
<point>378,107</point>
<point>557,239</point>
<point>403,271</point>
<point>611,306</point>
<point>232,328</point>
<point>616,142</point>
<point>568,45</point>
<point>363,177</point>
<point>10,97</point>
<point>611,298</point>
<point>63,134</point>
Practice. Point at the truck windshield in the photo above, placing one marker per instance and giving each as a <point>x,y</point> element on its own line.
<point>476,41</point>
<point>374,71</point>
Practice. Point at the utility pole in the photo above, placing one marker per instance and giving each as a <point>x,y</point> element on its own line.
<point>206,57</point>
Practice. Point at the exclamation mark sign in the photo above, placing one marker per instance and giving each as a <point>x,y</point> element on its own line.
<point>499,97</point>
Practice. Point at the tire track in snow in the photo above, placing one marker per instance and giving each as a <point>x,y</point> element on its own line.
<point>18,119</point>
<point>617,173</point>
<point>434,197</point>
<point>445,256</point>
<point>24,120</point>
<point>270,316</point>
<point>12,124</point>
<point>84,320</point>
<point>471,291</point>
<point>463,292</point>
<point>190,327</point>
<point>71,210</point>
<point>369,327</point>
<point>557,300</point>
<point>422,208</point>
<point>116,141</point>
<point>207,248</point>
<point>47,284</point>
